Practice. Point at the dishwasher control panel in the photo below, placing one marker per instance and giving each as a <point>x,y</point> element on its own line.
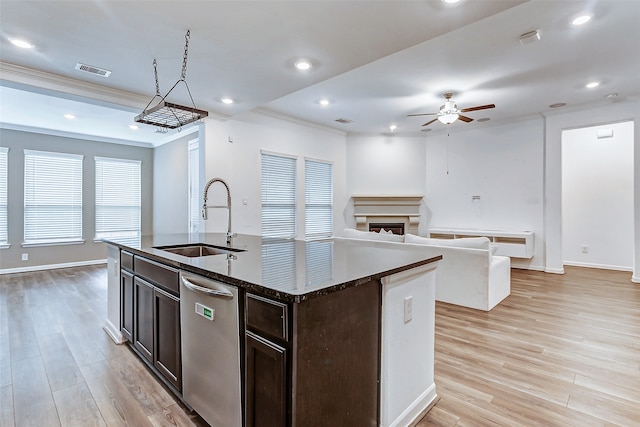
<point>204,311</point>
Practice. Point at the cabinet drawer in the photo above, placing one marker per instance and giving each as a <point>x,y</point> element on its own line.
<point>161,275</point>
<point>126,260</point>
<point>267,316</point>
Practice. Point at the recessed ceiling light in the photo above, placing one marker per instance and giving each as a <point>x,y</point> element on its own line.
<point>324,102</point>
<point>69,116</point>
<point>226,100</point>
<point>450,1</point>
<point>22,43</point>
<point>582,19</point>
<point>303,64</point>
<point>592,85</point>
<point>133,127</point>
<point>393,127</point>
<point>558,105</point>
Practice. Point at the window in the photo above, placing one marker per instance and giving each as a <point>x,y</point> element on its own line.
<point>118,200</point>
<point>195,197</point>
<point>52,198</point>
<point>4,235</point>
<point>318,196</point>
<point>278,196</point>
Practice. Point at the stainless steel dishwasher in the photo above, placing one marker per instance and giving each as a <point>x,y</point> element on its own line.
<point>210,349</point>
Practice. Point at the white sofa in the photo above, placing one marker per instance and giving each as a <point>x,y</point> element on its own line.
<point>469,274</point>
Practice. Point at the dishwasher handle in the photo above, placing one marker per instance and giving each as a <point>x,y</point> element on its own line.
<point>216,291</point>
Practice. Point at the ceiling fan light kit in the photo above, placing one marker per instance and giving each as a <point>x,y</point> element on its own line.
<point>449,112</point>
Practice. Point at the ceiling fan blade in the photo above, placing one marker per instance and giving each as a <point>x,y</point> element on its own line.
<point>428,123</point>
<point>480,107</point>
<point>424,114</point>
<point>465,118</point>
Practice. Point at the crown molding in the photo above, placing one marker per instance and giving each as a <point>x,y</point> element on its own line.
<point>41,82</point>
<point>270,113</point>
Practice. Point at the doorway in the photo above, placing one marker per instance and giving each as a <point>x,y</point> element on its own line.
<point>597,196</point>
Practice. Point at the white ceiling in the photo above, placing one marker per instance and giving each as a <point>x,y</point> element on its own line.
<point>377,61</point>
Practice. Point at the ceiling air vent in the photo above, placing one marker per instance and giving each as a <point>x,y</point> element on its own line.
<point>344,121</point>
<point>93,70</point>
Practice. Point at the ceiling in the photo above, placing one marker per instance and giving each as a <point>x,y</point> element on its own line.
<point>376,61</point>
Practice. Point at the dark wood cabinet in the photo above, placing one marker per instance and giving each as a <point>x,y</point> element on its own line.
<point>315,362</point>
<point>126,304</point>
<point>266,374</point>
<point>143,331</point>
<point>167,337</point>
<point>150,315</point>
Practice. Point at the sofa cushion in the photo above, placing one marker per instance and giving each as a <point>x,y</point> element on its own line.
<point>370,235</point>
<point>463,242</point>
<point>412,238</point>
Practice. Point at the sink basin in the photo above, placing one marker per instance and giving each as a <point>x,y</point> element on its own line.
<point>193,250</point>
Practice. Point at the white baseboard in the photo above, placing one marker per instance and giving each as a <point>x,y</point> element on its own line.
<point>416,411</point>
<point>599,266</point>
<point>554,270</point>
<point>52,266</point>
<point>635,279</point>
<point>113,332</point>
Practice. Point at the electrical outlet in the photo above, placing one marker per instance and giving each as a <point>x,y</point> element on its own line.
<point>25,257</point>
<point>408,309</point>
<point>585,249</point>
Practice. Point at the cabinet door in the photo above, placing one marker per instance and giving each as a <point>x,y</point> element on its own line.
<point>266,370</point>
<point>167,344</point>
<point>143,317</point>
<point>126,305</point>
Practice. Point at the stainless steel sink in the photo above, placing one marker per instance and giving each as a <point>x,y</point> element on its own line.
<point>198,249</point>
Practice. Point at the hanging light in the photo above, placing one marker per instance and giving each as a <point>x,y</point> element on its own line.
<point>448,113</point>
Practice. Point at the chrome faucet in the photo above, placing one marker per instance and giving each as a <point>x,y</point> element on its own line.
<point>228,206</point>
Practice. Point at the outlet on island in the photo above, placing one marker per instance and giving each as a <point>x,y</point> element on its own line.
<point>408,309</point>
<point>25,257</point>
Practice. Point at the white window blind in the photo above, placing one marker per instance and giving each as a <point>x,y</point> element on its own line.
<point>118,198</point>
<point>4,161</point>
<point>318,195</point>
<point>52,197</point>
<point>278,196</point>
<point>195,197</point>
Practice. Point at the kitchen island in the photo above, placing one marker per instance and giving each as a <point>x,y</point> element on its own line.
<point>330,332</point>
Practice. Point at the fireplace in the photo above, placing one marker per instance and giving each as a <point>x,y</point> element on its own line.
<point>400,214</point>
<point>394,227</point>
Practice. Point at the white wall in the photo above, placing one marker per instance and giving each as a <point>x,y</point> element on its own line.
<point>386,165</point>
<point>597,197</point>
<point>171,187</point>
<point>239,164</point>
<point>555,124</point>
<point>503,164</point>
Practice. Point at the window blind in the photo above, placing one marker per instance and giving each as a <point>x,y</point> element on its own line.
<point>118,198</point>
<point>52,197</point>
<point>4,160</point>
<point>278,196</point>
<point>318,195</point>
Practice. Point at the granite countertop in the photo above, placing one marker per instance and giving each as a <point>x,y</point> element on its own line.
<point>289,270</point>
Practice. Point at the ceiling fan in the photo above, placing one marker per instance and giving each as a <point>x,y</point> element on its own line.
<point>449,112</point>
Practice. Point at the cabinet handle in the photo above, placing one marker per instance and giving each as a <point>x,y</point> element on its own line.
<point>211,291</point>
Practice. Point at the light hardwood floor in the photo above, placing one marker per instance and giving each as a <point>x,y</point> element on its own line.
<point>562,350</point>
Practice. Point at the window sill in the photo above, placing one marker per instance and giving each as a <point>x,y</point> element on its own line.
<point>53,243</point>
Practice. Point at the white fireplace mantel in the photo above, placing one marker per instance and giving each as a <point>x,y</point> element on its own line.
<point>387,208</point>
